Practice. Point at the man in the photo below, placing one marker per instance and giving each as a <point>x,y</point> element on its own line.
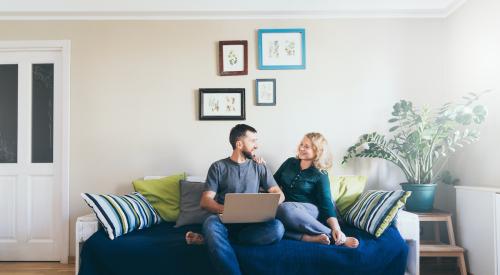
<point>237,174</point>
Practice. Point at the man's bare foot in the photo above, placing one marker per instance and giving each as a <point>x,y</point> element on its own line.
<point>351,242</point>
<point>194,238</point>
<point>322,238</point>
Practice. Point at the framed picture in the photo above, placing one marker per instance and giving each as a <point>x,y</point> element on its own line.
<point>282,49</point>
<point>222,104</point>
<point>265,92</point>
<point>233,57</point>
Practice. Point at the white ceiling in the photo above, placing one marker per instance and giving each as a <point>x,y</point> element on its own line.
<point>221,9</point>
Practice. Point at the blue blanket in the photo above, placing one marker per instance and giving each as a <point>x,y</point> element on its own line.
<point>162,250</point>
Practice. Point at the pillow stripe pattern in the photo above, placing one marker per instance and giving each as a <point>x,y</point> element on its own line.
<point>120,215</point>
<point>375,209</point>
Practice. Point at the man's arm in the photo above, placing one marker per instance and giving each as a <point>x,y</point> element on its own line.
<point>277,189</point>
<point>208,202</point>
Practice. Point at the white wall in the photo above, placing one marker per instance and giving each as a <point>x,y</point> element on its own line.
<point>134,86</point>
<point>473,65</point>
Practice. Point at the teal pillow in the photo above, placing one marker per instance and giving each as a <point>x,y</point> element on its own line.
<point>374,211</point>
<point>163,194</point>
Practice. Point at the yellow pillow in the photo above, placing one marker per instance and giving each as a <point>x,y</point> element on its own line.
<point>163,194</point>
<point>346,190</point>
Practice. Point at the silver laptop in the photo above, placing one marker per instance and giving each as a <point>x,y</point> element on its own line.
<point>249,207</point>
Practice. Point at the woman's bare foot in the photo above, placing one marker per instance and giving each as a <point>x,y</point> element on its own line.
<point>322,238</point>
<point>194,238</point>
<point>351,242</point>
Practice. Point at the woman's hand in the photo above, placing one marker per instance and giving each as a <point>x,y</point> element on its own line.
<point>259,160</point>
<point>338,236</point>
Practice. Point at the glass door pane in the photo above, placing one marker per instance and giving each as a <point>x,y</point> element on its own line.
<point>42,134</point>
<point>8,113</point>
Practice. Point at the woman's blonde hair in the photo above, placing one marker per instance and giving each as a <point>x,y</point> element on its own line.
<point>324,159</point>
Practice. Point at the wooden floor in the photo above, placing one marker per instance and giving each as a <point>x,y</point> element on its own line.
<point>36,268</point>
<point>428,267</point>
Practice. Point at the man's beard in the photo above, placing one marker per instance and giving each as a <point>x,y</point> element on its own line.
<point>247,154</point>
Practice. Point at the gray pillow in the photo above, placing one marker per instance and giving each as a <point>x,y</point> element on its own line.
<point>191,212</point>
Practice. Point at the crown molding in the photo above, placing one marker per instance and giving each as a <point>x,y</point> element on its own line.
<point>237,14</point>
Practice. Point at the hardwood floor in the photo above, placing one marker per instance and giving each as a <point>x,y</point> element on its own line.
<point>37,268</point>
<point>428,267</point>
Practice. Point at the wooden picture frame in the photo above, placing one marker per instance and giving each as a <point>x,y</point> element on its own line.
<point>265,92</point>
<point>221,104</point>
<point>282,49</point>
<point>233,57</point>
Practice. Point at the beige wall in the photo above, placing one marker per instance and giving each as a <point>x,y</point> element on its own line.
<point>134,86</point>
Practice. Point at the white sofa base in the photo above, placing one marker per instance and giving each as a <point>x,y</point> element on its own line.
<point>407,224</point>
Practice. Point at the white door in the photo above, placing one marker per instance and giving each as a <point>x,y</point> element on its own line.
<point>30,156</point>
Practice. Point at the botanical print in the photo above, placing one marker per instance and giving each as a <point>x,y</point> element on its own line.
<point>233,58</point>
<point>290,48</point>
<point>222,104</point>
<point>274,48</point>
<point>281,49</point>
<point>266,91</point>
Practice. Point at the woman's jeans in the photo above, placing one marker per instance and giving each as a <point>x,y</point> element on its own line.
<point>301,218</point>
<point>218,235</point>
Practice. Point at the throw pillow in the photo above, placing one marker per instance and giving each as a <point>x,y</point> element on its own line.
<point>191,212</point>
<point>163,194</point>
<point>374,211</point>
<point>120,215</point>
<point>346,190</point>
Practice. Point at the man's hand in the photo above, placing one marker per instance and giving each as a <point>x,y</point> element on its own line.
<point>208,202</point>
<point>259,160</point>
<point>277,189</point>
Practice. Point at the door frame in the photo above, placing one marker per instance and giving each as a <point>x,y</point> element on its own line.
<point>62,172</point>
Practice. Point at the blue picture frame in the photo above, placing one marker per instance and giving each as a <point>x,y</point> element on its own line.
<point>264,36</point>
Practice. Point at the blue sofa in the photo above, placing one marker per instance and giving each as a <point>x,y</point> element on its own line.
<point>162,250</point>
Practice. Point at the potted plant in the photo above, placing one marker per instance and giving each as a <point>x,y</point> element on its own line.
<point>421,141</point>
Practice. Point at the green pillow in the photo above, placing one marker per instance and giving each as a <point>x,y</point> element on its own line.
<point>346,190</point>
<point>163,194</point>
<point>374,211</point>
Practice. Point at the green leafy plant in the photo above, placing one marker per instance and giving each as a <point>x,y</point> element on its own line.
<point>422,139</point>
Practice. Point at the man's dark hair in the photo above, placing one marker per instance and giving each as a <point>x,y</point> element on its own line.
<point>239,131</point>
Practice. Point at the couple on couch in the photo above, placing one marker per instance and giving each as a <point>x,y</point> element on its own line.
<point>306,211</point>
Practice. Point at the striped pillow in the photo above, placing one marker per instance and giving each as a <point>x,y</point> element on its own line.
<point>374,211</point>
<point>120,215</point>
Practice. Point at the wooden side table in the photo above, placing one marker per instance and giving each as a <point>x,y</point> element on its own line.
<point>436,248</point>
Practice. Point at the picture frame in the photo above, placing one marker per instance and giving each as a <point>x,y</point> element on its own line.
<point>265,92</point>
<point>221,104</point>
<point>282,49</point>
<point>233,57</point>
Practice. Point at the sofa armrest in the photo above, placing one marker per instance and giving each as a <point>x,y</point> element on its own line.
<point>86,226</point>
<point>408,226</point>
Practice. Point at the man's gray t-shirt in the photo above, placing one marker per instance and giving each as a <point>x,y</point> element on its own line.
<point>226,176</point>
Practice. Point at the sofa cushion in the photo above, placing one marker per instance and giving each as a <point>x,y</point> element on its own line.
<point>346,190</point>
<point>190,210</point>
<point>163,194</point>
<point>374,211</point>
<point>120,215</point>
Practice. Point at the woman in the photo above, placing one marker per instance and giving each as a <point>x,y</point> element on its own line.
<point>308,205</point>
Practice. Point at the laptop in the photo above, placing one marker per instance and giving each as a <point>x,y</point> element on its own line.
<point>249,207</point>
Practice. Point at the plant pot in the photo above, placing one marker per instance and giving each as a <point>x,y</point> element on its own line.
<point>422,196</point>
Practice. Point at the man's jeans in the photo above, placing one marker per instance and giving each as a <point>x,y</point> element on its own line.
<point>221,252</point>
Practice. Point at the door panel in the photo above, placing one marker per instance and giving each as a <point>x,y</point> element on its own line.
<point>8,209</point>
